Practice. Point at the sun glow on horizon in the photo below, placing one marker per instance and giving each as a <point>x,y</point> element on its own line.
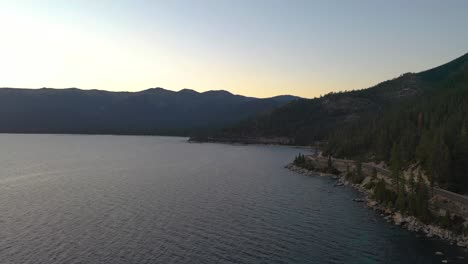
<point>254,48</point>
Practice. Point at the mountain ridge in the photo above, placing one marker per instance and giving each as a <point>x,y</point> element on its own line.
<point>305,121</point>
<point>150,111</point>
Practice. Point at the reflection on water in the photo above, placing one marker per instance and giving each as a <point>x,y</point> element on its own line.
<point>122,199</point>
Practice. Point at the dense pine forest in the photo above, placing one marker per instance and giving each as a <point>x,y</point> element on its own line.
<point>415,119</point>
<point>431,130</point>
<point>309,120</point>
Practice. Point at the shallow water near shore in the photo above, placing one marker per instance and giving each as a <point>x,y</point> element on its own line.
<point>125,199</point>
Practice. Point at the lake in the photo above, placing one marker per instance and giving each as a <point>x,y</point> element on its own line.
<point>129,199</point>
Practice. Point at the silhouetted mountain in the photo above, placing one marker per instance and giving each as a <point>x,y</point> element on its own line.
<point>152,111</point>
<point>307,120</point>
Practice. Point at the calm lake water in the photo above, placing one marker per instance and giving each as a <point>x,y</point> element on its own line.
<point>124,199</point>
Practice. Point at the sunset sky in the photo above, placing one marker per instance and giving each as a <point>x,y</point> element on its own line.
<point>255,47</point>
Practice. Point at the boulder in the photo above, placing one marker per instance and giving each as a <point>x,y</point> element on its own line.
<point>398,219</point>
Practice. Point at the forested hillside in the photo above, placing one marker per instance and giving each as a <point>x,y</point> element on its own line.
<point>417,118</point>
<point>309,120</point>
<point>431,130</point>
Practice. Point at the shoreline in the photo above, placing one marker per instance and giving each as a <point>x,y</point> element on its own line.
<point>252,144</point>
<point>391,215</point>
<point>280,141</point>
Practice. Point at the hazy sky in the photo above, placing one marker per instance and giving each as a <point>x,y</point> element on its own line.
<point>253,47</point>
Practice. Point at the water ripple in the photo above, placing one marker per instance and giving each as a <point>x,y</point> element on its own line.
<point>161,200</point>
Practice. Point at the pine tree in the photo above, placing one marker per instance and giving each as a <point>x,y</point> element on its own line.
<point>395,165</point>
<point>359,169</point>
<point>374,174</point>
<point>440,163</point>
<point>401,201</point>
<point>422,202</point>
<point>330,163</point>
<point>411,183</point>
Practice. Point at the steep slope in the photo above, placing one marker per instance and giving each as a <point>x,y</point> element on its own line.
<point>417,119</point>
<point>430,131</point>
<point>308,120</point>
<point>152,111</point>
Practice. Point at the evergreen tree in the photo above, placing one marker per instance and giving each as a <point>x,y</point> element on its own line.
<point>411,182</point>
<point>395,165</point>
<point>422,202</point>
<point>374,174</point>
<point>359,169</point>
<point>401,201</point>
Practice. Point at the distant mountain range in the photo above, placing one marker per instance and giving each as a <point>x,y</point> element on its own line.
<point>148,112</point>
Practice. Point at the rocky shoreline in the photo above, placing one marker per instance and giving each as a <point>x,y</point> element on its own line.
<point>390,215</point>
<point>283,141</point>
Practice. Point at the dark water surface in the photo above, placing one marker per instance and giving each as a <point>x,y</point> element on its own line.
<point>119,199</point>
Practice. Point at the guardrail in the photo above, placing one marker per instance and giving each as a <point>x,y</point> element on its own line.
<point>451,195</point>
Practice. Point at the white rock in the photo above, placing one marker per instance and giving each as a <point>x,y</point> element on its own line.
<point>461,244</point>
<point>398,219</point>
